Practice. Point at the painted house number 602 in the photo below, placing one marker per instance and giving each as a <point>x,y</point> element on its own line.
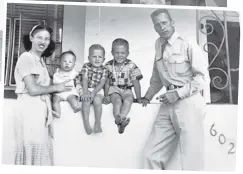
<point>222,139</point>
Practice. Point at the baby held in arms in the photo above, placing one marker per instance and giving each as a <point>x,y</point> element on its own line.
<point>66,72</point>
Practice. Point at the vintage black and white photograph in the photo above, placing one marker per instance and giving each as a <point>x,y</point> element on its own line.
<point>88,86</point>
<point>208,3</point>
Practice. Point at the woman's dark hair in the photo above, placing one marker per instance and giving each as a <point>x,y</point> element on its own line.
<point>28,44</point>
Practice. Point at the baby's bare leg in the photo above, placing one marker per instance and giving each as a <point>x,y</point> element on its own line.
<point>73,101</point>
<point>97,102</point>
<point>85,114</point>
<point>56,106</point>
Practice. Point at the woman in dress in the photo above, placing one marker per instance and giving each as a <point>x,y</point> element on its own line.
<point>33,114</point>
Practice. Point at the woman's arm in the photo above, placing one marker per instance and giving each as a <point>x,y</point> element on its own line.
<point>35,89</point>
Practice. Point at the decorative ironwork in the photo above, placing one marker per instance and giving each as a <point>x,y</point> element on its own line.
<point>222,77</point>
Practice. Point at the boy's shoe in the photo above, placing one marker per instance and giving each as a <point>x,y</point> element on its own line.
<point>123,125</point>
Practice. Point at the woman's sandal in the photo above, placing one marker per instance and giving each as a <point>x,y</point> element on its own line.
<point>123,125</point>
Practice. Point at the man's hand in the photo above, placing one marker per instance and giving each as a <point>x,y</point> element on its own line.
<point>144,102</point>
<point>139,100</point>
<point>169,97</point>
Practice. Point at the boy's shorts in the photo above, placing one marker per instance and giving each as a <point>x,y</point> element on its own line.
<point>101,92</point>
<point>122,92</point>
<point>65,95</point>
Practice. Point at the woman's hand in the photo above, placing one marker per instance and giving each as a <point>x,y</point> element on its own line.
<point>62,87</point>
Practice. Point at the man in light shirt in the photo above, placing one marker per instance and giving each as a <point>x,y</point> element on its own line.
<point>178,132</point>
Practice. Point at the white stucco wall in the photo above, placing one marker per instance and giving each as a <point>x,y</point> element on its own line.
<point>72,147</point>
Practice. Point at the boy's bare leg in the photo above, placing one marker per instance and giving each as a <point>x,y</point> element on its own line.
<point>127,104</point>
<point>97,102</point>
<point>117,103</point>
<point>56,106</point>
<point>73,101</point>
<point>85,114</point>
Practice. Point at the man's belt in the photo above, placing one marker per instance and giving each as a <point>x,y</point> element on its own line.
<point>172,87</point>
<point>124,87</point>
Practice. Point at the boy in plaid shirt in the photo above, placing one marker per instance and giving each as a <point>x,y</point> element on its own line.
<point>123,75</point>
<point>94,76</point>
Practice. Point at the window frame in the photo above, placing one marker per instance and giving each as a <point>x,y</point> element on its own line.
<point>8,51</point>
<point>14,18</point>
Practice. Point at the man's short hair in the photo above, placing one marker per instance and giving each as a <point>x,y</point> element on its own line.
<point>160,11</point>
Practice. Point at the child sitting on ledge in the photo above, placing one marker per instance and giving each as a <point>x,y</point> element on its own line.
<point>64,73</point>
<point>123,75</point>
<point>93,76</point>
